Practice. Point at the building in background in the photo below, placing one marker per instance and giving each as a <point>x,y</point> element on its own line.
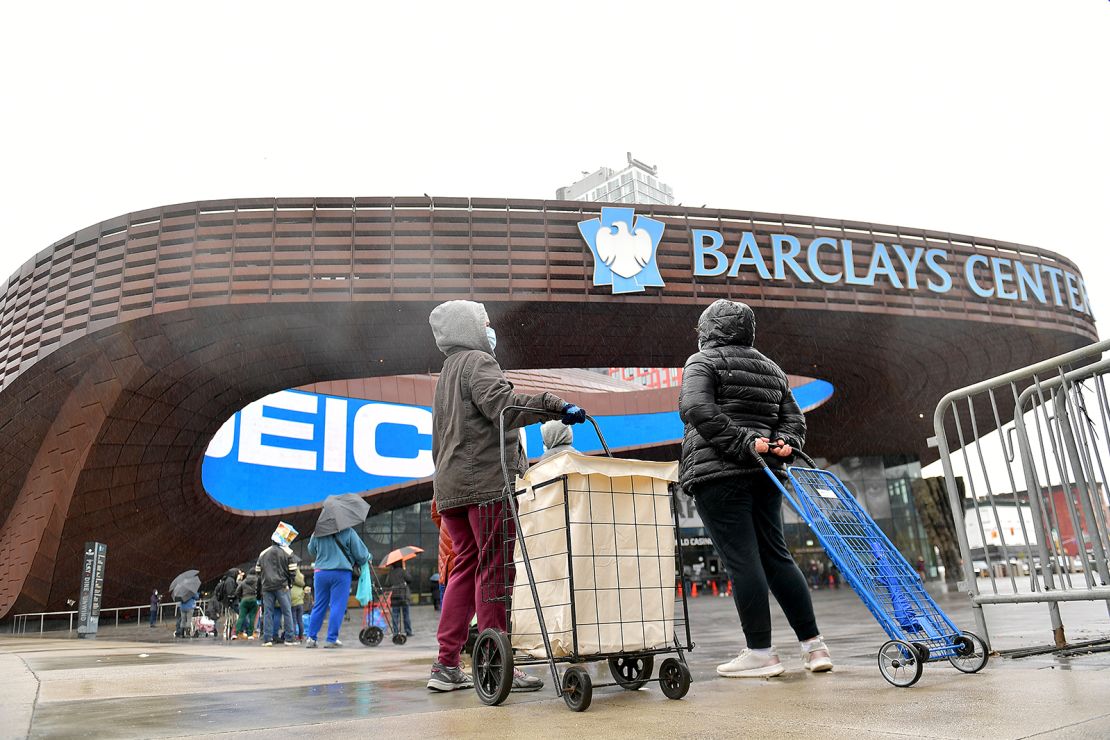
<point>881,484</point>
<point>636,183</point>
<point>651,378</point>
<point>128,346</point>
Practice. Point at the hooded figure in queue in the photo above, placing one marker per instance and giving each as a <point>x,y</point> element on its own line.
<point>736,403</point>
<point>470,395</point>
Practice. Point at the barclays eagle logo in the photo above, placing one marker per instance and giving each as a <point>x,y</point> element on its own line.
<point>624,247</point>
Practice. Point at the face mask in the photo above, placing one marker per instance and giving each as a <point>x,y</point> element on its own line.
<point>491,335</point>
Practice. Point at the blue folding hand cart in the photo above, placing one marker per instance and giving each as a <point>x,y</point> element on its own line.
<point>919,631</point>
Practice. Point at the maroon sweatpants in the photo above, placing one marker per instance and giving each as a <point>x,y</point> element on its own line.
<point>474,578</point>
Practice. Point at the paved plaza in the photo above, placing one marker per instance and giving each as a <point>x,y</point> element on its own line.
<point>137,682</point>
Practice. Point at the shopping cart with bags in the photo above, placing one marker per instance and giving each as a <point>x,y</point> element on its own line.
<point>377,617</point>
<point>888,585</point>
<point>586,559</point>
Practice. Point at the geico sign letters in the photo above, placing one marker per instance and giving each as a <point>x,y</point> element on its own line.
<point>305,431</point>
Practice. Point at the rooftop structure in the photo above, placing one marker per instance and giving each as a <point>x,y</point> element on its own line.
<point>636,183</point>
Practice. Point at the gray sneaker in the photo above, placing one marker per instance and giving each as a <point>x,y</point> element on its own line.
<point>309,642</point>
<point>446,678</point>
<point>523,682</point>
<point>336,644</point>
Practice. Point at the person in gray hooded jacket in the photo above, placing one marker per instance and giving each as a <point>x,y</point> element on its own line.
<point>470,396</point>
<point>557,437</point>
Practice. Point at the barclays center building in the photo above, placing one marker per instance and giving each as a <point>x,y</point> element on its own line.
<point>175,380</point>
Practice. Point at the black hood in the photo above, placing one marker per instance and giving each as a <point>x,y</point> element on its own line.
<point>725,323</point>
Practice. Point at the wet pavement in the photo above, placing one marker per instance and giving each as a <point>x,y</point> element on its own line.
<point>139,682</point>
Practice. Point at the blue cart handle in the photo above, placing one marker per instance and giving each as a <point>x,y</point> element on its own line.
<point>796,451</point>
<point>794,502</point>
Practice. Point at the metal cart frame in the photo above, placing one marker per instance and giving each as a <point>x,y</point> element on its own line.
<point>920,632</point>
<point>371,635</point>
<point>494,658</point>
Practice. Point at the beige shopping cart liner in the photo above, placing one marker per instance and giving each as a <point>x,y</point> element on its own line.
<point>621,533</point>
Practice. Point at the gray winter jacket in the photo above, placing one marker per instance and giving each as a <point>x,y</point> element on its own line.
<point>732,395</point>
<point>557,437</point>
<point>471,393</point>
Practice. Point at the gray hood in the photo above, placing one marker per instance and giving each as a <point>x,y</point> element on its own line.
<point>556,434</point>
<point>460,325</point>
<point>725,323</point>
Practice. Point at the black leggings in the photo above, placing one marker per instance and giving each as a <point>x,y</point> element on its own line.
<point>744,517</point>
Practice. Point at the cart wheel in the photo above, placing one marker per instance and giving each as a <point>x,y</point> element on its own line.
<point>493,666</point>
<point>371,636</point>
<point>899,663</point>
<point>971,653</point>
<point>674,678</point>
<point>578,690</point>
<point>631,671</point>
<point>922,651</point>
<point>400,639</point>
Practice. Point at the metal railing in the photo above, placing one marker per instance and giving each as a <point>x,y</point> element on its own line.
<point>1031,452</point>
<point>23,624</point>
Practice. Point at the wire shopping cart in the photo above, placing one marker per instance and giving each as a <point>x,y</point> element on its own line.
<point>586,555</point>
<point>373,630</point>
<point>920,632</point>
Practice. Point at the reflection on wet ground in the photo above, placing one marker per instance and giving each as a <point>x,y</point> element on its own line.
<point>159,688</point>
<point>228,710</point>
<point>69,662</point>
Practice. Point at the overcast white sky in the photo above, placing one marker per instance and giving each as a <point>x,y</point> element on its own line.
<point>987,118</point>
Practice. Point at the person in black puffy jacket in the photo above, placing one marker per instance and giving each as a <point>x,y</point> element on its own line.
<point>736,403</point>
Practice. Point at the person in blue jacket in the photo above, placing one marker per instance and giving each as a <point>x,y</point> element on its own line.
<point>336,554</point>
<point>185,617</point>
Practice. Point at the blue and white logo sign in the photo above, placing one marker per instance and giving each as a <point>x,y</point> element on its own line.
<point>624,246</point>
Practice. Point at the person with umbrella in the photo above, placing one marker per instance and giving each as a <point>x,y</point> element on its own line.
<point>472,397</point>
<point>337,549</point>
<point>184,589</point>
<point>398,583</point>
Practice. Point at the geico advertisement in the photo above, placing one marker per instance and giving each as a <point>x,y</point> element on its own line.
<point>294,448</point>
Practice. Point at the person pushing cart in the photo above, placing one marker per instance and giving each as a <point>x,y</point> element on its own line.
<point>742,426</point>
<point>736,404</point>
<point>471,394</point>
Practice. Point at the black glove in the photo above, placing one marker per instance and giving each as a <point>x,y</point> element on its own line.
<point>573,415</point>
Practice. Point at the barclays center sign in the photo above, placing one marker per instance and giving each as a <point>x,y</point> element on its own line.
<point>625,246</point>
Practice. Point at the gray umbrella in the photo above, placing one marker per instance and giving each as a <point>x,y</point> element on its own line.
<point>340,512</point>
<point>186,585</point>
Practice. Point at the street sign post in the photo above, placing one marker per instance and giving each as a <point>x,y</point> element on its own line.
<point>92,588</point>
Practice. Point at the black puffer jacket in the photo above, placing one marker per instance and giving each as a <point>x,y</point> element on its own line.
<point>732,395</point>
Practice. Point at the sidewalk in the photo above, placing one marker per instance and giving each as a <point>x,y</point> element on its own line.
<point>148,688</point>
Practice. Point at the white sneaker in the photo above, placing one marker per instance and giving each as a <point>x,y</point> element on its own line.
<point>752,665</point>
<point>816,659</point>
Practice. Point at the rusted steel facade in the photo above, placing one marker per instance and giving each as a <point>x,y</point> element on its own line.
<point>124,347</point>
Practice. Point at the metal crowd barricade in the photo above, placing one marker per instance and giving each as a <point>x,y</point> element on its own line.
<point>50,621</point>
<point>1047,468</point>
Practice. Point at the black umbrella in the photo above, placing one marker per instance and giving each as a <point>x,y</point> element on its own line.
<point>340,512</point>
<point>186,585</point>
